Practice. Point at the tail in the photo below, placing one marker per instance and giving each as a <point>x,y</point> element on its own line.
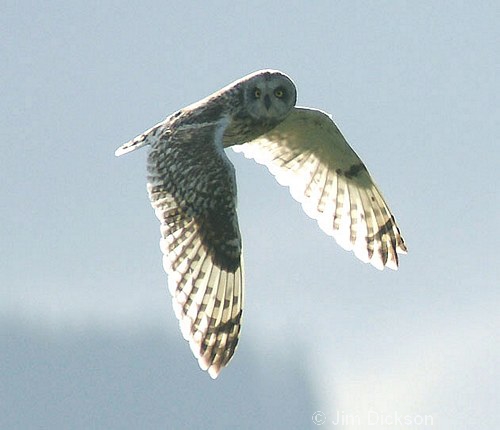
<point>142,140</point>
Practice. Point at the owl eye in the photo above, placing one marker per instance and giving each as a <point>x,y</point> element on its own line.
<point>279,92</point>
<point>256,93</point>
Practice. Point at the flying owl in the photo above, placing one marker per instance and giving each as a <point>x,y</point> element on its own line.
<point>192,188</point>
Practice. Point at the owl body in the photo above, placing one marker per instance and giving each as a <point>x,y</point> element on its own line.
<point>192,187</point>
<point>232,103</point>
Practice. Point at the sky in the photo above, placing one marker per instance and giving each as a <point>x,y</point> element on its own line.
<point>88,338</point>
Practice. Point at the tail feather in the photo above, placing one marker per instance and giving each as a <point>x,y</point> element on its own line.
<point>143,139</point>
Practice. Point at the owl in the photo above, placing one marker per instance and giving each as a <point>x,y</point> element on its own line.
<point>192,188</point>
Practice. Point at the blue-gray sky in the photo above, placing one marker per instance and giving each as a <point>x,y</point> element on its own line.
<point>88,337</point>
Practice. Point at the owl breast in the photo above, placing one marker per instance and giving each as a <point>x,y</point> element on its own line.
<point>244,128</point>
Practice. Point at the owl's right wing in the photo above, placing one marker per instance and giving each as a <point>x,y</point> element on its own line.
<point>307,153</point>
<point>192,188</point>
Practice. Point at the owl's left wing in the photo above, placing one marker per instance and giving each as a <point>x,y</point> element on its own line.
<point>307,153</point>
<point>192,188</point>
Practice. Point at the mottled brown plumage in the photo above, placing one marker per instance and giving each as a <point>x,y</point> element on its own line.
<point>192,187</point>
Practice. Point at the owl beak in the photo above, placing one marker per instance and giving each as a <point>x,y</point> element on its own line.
<point>267,102</point>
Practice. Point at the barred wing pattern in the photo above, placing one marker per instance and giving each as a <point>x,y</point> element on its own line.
<point>200,238</point>
<point>307,153</point>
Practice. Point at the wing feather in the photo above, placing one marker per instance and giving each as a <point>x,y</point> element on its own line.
<point>307,153</point>
<point>200,239</point>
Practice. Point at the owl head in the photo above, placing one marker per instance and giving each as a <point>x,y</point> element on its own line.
<point>269,94</point>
